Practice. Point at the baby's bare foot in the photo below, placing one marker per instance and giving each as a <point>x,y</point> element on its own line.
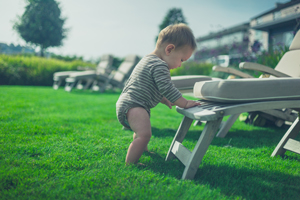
<point>141,165</point>
<point>149,152</point>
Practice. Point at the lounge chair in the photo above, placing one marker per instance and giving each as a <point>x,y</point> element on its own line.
<point>117,78</point>
<point>103,67</point>
<point>59,77</point>
<point>83,79</point>
<point>231,97</point>
<point>288,66</point>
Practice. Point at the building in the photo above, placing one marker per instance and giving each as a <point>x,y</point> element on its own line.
<point>231,41</point>
<point>269,30</point>
<point>277,26</point>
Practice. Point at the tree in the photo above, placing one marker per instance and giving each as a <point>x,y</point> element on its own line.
<point>41,24</point>
<point>174,16</point>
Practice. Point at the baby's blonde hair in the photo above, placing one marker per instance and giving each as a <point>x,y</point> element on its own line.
<point>178,34</point>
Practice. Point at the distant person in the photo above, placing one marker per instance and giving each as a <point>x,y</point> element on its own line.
<point>150,83</point>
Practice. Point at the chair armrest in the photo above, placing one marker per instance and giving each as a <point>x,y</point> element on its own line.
<point>231,71</point>
<point>262,68</point>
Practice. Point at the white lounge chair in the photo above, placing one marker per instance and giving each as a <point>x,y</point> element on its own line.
<point>103,67</point>
<point>117,78</point>
<point>231,97</point>
<point>288,66</point>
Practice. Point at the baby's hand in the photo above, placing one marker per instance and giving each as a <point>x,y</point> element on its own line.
<point>167,102</point>
<point>191,103</point>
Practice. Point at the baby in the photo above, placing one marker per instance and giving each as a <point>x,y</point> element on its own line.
<point>150,83</point>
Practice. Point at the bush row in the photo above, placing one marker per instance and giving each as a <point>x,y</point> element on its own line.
<point>267,58</point>
<point>24,70</point>
<point>272,57</point>
<point>192,68</point>
<point>32,70</point>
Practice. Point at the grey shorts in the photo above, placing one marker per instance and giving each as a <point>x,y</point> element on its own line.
<point>122,110</point>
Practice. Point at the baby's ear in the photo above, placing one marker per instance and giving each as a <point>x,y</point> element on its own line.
<point>169,48</point>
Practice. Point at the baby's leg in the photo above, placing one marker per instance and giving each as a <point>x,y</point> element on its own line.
<point>135,136</point>
<point>139,121</point>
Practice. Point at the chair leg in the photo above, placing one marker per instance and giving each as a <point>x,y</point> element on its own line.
<point>95,86</point>
<point>279,122</point>
<point>88,84</point>
<point>69,86</point>
<point>79,85</point>
<point>224,128</point>
<point>179,137</point>
<point>103,87</point>
<point>291,133</point>
<point>200,149</point>
<point>57,83</point>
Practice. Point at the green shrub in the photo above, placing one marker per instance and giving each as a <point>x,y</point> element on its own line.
<point>24,70</point>
<point>192,68</point>
<point>66,58</point>
<point>272,57</point>
<point>269,59</point>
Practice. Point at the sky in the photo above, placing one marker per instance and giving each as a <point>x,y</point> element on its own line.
<point>122,27</point>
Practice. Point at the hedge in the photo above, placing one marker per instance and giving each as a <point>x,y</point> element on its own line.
<point>193,68</point>
<point>32,70</point>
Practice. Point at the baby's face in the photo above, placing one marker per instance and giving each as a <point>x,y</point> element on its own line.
<point>176,57</point>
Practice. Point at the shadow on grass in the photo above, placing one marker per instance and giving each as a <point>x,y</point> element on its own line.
<point>163,132</point>
<point>231,181</point>
<point>250,183</point>
<point>236,138</point>
<point>158,164</point>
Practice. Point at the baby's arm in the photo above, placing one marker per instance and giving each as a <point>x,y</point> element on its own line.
<point>184,103</point>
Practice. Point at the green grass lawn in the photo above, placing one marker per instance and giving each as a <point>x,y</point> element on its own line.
<point>59,145</point>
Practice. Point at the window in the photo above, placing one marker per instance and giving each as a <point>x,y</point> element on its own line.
<point>282,39</point>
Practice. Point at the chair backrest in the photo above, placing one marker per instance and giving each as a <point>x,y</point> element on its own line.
<point>290,61</point>
<point>126,68</point>
<point>104,64</point>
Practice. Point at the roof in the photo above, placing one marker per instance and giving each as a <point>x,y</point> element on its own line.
<point>279,23</point>
<point>238,28</point>
<point>279,6</point>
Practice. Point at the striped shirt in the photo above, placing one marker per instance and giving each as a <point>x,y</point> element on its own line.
<point>149,82</point>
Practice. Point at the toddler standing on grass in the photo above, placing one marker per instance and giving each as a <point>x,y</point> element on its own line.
<point>150,83</point>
